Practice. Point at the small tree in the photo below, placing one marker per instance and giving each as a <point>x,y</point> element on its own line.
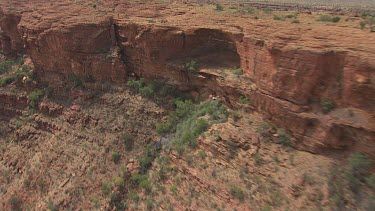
<point>115,157</point>
<point>362,24</point>
<point>219,7</point>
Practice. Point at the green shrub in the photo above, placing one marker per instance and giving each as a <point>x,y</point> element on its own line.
<point>201,126</point>
<point>250,9</point>
<point>232,7</point>
<point>163,128</point>
<point>237,192</point>
<point>237,71</point>
<point>284,138</point>
<point>358,168</point>
<point>133,195</point>
<point>328,18</point>
<point>148,156</point>
<point>202,154</point>
<point>106,188</point>
<point>188,124</point>
<point>362,24</point>
<point>295,21</point>
<point>336,19</point>
<point>173,189</point>
<point>116,202</point>
<point>371,181</point>
<point>136,84</point>
<point>7,80</point>
<point>16,203</point>
<point>191,66</point>
<point>138,178</point>
<point>219,7</point>
<point>115,157</point>
<point>325,18</point>
<point>278,18</point>
<point>5,66</point>
<point>34,98</point>
<point>327,106</point>
<point>244,100</point>
<point>267,10</point>
<point>119,182</point>
<point>258,159</point>
<point>146,185</point>
<point>290,16</point>
<point>146,91</point>
<point>128,141</point>
<point>73,78</point>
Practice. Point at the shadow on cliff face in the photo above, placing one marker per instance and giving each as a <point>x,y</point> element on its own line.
<point>210,48</point>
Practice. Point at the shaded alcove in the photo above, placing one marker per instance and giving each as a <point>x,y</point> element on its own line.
<point>211,49</point>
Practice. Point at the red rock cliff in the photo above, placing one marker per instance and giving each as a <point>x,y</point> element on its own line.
<point>287,73</point>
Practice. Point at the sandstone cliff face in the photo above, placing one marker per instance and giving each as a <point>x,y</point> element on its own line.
<point>284,80</point>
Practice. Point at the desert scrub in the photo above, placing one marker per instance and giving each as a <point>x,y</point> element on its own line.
<point>141,87</point>
<point>267,10</point>
<point>106,188</point>
<point>75,80</point>
<point>128,142</point>
<point>7,80</point>
<point>237,192</point>
<point>190,120</point>
<point>295,21</point>
<point>244,100</point>
<point>327,106</point>
<point>250,9</point>
<point>278,18</point>
<point>115,156</point>
<point>359,168</point>
<point>34,98</point>
<point>328,18</point>
<point>5,66</point>
<point>191,66</point>
<point>284,138</point>
<point>237,71</point>
<point>362,24</point>
<point>218,7</point>
<point>16,203</point>
<point>258,159</point>
<point>142,181</point>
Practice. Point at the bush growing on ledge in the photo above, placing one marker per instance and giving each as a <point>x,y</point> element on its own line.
<point>5,66</point>
<point>190,120</point>
<point>244,100</point>
<point>191,66</point>
<point>327,106</point>
<point>73,78</point>
<point>34,97</point>
<point>284,138</point>
<point>237,71</point>
<point>7,80</point>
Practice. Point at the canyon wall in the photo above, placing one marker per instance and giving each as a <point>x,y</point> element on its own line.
<point>286,83</point>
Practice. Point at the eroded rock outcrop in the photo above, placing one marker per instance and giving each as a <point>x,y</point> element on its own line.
<point>286,76</point>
